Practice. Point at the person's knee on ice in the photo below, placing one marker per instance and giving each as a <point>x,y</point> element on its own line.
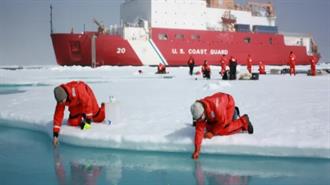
<point>100,115</point>
<point>208,135</point>
<point>75,120</point>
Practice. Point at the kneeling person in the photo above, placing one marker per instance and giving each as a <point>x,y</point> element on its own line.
<point>82,104</point>
<point>216,115</point>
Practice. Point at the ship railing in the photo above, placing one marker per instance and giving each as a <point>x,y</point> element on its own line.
<point>115,30</point>
<point>134,25</point>
<point>123,32</point>
<point>214,28</point>
<point>296,34</point>
<point>261,9</point>
<point>256,8</point>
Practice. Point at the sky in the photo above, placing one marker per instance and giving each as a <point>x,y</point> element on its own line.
<point>25,27</point>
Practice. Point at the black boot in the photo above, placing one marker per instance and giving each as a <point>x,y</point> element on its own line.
<point>82,124</point>
<point>250,127</point>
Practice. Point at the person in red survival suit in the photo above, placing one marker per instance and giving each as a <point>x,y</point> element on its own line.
<point>292,63</point>
<point>249,63</point>
<point>161,69</point>
<point>223,63</point>
<point>262,68</point>
<point>216,114</point>
<point>313,66</point>
<point>191,64</point>
<point>206,70</point>
<point>83,107</point>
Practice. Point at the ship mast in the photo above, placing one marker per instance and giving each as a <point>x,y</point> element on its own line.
<point>51,18</point>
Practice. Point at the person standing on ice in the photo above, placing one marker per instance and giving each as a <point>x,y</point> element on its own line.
<point>191,64</point>
<point>206,70</point>
<point>292,63</point>
<point>223,63</point>
<point>217,115</point>
<point>249,63</point>
<point>313,66</point>
<point>161,68</point>
<point>82,104</point>
<point>262,68</point>
<point>232,68</point>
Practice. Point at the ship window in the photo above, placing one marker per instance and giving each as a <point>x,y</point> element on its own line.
<point>195,37</point>
<point>162,36</point>
<point>270,40</point>
<point>179,36</point>
<point>247,40</point>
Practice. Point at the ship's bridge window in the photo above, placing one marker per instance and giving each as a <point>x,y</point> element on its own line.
<point>247,40</point>
<point>162,36</point>
<point>179,36</point>
<point>195,37</point>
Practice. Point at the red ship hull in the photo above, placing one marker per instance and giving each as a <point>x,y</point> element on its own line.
<point>76,49</point>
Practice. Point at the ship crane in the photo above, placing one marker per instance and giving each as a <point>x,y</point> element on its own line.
<point>101,28</point>
<point>228,21</point>
<point>268,7</point>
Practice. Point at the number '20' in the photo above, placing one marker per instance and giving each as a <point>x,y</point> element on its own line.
<point>121,50</point>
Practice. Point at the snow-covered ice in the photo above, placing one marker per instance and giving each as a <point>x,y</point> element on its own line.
<point>291,115</point>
